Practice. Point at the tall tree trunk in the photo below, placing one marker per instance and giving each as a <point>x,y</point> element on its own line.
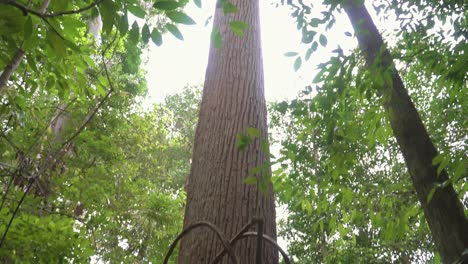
<point>444,213</point>
<point>233,100</point>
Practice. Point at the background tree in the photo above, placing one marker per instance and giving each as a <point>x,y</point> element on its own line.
<point>70,189</point>
<point>347,96</point>
<point>233,102</point>
<point>442,208</point>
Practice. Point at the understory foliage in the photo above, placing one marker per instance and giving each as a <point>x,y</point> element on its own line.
<point>87,171</point>
<point>341,177</point>
<point>117,196</point>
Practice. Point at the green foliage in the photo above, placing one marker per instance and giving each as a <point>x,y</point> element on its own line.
<point>84,172</point>
<point>216,38</point>
<point>340,175</point>
<point>238,27</point>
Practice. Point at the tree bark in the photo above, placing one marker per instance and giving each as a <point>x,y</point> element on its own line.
<point>444,213</point>
<point>233,100</point>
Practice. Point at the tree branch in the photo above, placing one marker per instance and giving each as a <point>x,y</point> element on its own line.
<point>94,111</point>
<point>26,10</point>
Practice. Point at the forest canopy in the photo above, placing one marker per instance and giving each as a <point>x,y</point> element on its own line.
<point>91,172</point>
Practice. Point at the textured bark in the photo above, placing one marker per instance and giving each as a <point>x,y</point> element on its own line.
<point>444,213</point>
<point>233,99</point>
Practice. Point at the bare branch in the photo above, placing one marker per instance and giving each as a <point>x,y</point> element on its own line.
<point>26,10</point>
<point>76,11</point>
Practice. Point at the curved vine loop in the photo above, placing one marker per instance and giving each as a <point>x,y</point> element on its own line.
<point>224,241</point>
<point>249,234</point>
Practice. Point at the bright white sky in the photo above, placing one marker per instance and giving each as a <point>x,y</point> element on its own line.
<point>178,63</point>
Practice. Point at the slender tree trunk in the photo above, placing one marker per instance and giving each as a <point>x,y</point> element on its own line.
<point>233,100</point>
<point>18,57</point>
<point>444,213</point>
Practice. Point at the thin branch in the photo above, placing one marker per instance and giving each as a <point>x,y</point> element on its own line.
<point>11,67</point>
<point>76,11</point>
<point>16,211</point>
<point>93,112</point>
<point>2,134</point>
<point>26,10</point>
<point>47,163</point>
<point>5,194</point>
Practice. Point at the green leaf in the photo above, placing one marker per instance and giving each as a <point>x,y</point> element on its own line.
<point>308,36</point>
<point>238,27</point>
<point>314,46</point>
<point>308,54</point>
<point>306,206</point>
<point>250,180</point>
<point>265,146</point>
<point>28,28</point>
<point>229,7</point>
<point>255,170</point>
<point>166,5</point>
<point>243,141</point>
<point>314,22</point>
<point>137,11</point>
<point>216,38</point>
<point>431,194</point>
<point>459,171</point>
<point>180,17</point>
<point>198,3</point>
<point>145,34</point>
<point>254,132</point>
<point>442,165</point>
<point>56,43</point>
<point>297,63</point>
<point>107,10</point>
<point>134,34</point>
<point>291,54</point>
<point>323,40</point>
<point>282,107</point>
<point>156,37</point>
<point>174,31</point>
<point>123,24</point>
<point>437,159</point>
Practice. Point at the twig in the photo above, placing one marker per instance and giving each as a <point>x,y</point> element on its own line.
<point>2,134</point>
<point>5,194</point>
<point>93,112</point>
<point>26,10</point>
<point>76,11</point>
<point>11,67</point>
<point>16,211</point>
